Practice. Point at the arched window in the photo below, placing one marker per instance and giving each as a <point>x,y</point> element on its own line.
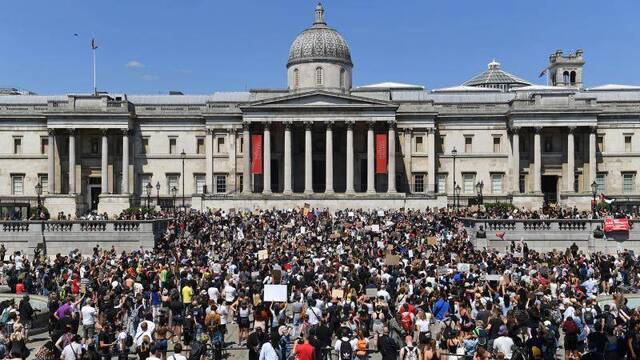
<point>319,76</point>
<point>573,78</point>
<point>565,77</point>
<point>342,79</point>
<point>296,78</point>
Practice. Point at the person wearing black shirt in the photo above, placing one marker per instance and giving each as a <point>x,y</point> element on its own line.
<point>387,347</point>
<point>597,340</point>
<point>254,342</point>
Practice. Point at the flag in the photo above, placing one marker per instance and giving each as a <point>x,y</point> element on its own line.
<point>543,72</point>
<point>605,199</point>
<point>94,45</point>
<point>381,153</point>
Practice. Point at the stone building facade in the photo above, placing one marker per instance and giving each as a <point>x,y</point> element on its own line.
<point>319,141</point>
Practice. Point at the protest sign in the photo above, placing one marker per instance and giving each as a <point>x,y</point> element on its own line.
<point>375,228</point>
<point>492,277</point>
<point>337,293</point>
<point>372,292</point>
<point>263,254</point>
<point>432,240</point>
<point>392,260</point>
<point>275,293</point>
<point>463,267</point>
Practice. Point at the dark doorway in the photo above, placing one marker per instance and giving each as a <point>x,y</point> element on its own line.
<point>363,175</point>
<point>275,176</point>
<point>550,188</point>
<point>319,178</point>
<point>95,197</point>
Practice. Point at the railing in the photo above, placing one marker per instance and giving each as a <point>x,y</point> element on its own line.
<point>534,224</point>
<point>54,226</point>
<point>15,226</point>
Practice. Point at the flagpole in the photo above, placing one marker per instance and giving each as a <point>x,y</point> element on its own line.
<point>95,89</point>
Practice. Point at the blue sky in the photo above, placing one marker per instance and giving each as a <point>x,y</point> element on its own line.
<point>201,46</point>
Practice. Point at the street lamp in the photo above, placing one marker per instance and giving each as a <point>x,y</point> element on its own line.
<point>479,187</point>
<point>456,195</point>
<point>158,193</point>
<point>148,187</point>
<point>174,191</point>
<point>594,190</point>
<point>39,193</point>
<point>183,155</point>
<point>454,153</point>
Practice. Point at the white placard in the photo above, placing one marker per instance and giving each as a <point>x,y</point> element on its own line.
<point>350,213</point>
<point>375,228</point>
<point>303,230</point>
<point>380,212</point>
<point>275,293</point>
<point>410,253</point>
<point>492,277</point>
<point>463,267</point>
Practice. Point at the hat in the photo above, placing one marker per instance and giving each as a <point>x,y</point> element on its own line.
<point>502,331</point>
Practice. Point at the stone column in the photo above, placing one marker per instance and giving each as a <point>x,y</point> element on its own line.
<point>308,160</point>
<point>431,170</point>
<point>570,160</point>
<point>287,159</point>
<point>391,168</point>
<point>537,160</point>
<point>407,151</point>
<point>208,156</point>
<point>592,157</point>
<point>72,161</point>
<point>515,158</point>
<point>246,163</point>
<point>266,158</point>
<point>329,159</point>
<point>349,172</point>
<point>232,161</point>
<point>125,162</point>
<point>51,164</point>
<point>104,173</point>
<point>371,160</point>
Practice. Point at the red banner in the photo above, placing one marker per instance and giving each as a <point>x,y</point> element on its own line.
<point>256,156</point>
<point>381,153</point>
<point>611,224</point>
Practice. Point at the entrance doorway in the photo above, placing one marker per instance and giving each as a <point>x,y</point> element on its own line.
<point>94,196</point>
<point>550,188</point>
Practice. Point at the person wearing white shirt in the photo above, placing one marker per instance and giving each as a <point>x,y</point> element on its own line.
<point>88,314</point>
<point>314,314</point>
<point>177,349</point>
<point>268,352</point>
<point>73,351</point>
<point>144,328</point>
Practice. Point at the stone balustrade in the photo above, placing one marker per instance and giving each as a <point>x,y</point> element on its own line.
<point>549,234</point>
<point>64,236</point>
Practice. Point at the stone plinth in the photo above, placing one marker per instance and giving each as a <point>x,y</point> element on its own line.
<point>113,204</point>
<point>67,203</point>
<point>528,201</point>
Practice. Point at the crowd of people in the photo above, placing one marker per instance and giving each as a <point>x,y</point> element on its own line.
<point>396,284</point>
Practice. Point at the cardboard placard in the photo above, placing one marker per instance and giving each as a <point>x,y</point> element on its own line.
<point>410,253</point>
<point>263,254</point>
<point>337,293</point>
<point>464,267</point>
<point>492,277</point>
<point>372,293</point>
<point>380,212</point>
<point>375,228</point>
<point>256,299</point>
<point>392,260</point>
<point>275,293</point>
<point>432,240</point>
<point>350,213</point>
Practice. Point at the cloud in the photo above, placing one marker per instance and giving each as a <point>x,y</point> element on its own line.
<point>148,77</point>
<point>134,64</point>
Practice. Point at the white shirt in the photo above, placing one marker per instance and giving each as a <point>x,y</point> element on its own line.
<point>229,293</point>
<point>88,315</point>
<point>72,351</point>
<point>176,357</point>
<point>213,293</point>
<point>314,315</point>
<point>223,312</point>
<point>503,344</point>
<point>268,352</point>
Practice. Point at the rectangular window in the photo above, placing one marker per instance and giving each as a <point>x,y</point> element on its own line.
<point>44,145</point>
<point>172,145</point>
<point>17,145</point>
<point>628,182</point>
<point>496,144</point>
<point>240,142</point>
<point>441,144</point>
<point>200,183</point>
<point>172,181</point>
<point>522,183</point>
<point>43,179</point>
<point>419,144</point>
<point>17,184</point>
<point>600,181</point>
<point>145,179</point>
<point>627,143</point>
<point>200,145</point>
<point>145,145</point>
<point>418,183</point>
<point>221,184</point>
<point>600,143</point>
<point>221,148</point>
<point>496,183</point>
<point>441,183</point>
<point>468,144</point>
<point>240,183</point>
<point>576,182</point>
<point>468,183</point>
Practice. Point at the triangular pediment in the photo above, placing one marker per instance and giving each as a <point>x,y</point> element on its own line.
<point>320,99</point>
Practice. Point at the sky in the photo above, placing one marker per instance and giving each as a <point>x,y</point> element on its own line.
<point>203,46</point>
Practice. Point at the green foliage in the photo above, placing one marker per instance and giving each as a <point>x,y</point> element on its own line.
<point>499,207</point>
<point>603,206</point>
<point>34,212</point>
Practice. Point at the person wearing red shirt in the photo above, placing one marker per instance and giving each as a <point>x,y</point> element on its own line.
<point>304,351</point>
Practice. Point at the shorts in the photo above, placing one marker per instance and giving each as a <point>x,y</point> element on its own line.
<point>243,322</point>
<point>161,345</point>
<point>177,320</point>
<point>571,342</point>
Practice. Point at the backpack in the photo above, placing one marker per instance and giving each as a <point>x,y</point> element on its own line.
<point>410,353</point>
<point>570,326</point>
<point>556,317</point>
<point>197,350</point>
<point>609,321</point>
<point>128,341</point>
<point>407,321</point>
<point>346,352</point>
<point>588,317</point>
<point>361,348</point>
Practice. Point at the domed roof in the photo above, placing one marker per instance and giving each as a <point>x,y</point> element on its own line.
<point>319,43</point>
<point>495,76</point>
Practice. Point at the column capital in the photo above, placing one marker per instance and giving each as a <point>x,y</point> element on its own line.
<point>287,124</point>
<point>232,130</point>
<point>431,130</point>
<point>392,124</point>
<point>593,129</point>
<point>571,129</point>
<point>125,132</point>
<point>210,131</point>
<point>72,131</point>
<point>308,125</point>
<point>329,124</point>
<point>267,125</point>
<point>51,131</point>
<point>371,124</point>
<point>350,124</point>
<point>537,129</point>
<point>246,124</point>
<point>104,132</point>
<point>514,129</point>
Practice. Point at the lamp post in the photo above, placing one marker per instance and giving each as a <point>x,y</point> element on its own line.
<point>456,196</point>
<point>39,193</point>
<point>183,155</point>
<point>158,193</point>
<point>454,153</point>
<point>148,187</point>
<point>479,187</point>
<point>594,190</point>
<point>174,191</point>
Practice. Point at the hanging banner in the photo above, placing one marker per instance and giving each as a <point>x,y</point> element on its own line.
<point>256,156</point>
<point>381,153</point>
<point>611,224</point>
